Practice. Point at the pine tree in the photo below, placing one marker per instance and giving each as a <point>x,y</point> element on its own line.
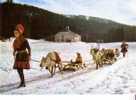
<point>9,1</point>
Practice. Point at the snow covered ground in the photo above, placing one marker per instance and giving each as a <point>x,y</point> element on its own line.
<point>119,78</point>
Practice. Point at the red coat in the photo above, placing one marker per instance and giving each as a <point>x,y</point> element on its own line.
<point>22,53</point>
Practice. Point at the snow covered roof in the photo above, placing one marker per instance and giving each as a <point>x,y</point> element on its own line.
<point>67,33</point>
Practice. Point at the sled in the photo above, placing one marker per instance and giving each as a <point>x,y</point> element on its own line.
<point>71,66</point>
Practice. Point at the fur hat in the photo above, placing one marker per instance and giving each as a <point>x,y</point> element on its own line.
<point>20,28</point>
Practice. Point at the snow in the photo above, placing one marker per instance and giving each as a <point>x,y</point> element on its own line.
<point>118,78</point>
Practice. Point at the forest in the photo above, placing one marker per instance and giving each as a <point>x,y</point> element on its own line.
<point>43,24</point>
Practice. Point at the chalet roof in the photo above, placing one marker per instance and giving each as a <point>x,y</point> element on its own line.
<point>67,33</point>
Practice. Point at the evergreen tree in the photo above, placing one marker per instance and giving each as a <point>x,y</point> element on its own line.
<point>9,1</point>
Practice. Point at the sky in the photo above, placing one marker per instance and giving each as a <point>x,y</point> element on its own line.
<point>123,11</point>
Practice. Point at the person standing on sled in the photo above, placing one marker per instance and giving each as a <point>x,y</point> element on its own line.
<point>21,53</point>
<point>124,48</point>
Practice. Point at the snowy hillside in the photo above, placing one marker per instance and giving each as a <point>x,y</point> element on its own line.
<point>119,78</point>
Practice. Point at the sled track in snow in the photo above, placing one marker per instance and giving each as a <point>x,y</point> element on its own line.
<point>46,77</point>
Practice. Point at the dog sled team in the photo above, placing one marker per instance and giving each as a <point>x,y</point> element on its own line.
<point>104,56</point>
<point>99,56</point>
<point>22,55</point>
<point>53,61</point>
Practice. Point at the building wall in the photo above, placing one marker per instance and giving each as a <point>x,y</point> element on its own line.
<point>67,37</point>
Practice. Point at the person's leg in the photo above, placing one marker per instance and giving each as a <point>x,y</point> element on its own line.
<point>21,75</point>
<point>124,54</point>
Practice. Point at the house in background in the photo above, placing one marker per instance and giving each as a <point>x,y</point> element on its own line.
<point>67,36</point>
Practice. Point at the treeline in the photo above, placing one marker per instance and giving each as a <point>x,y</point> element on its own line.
<point>41,23</point>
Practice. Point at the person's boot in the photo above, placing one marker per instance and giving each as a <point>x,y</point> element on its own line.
<point>22,84</point>
<point>22,81</point>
